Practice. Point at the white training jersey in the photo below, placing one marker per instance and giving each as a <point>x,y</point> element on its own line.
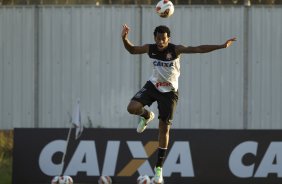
<point>166,68</point>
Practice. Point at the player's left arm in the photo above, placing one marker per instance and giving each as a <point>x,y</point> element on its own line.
<point>203,48</point>
<point>132,49</point>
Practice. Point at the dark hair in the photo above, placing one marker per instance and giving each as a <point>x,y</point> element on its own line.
<point>162,29</point>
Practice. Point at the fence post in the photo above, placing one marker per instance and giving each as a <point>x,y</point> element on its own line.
<point>36,66</point>
<point>246,65</point>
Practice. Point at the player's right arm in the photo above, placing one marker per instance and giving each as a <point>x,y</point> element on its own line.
<point>129,46</point>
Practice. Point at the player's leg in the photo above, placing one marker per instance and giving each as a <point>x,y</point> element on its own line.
<point>164,128</point>
<point>137,108</point>
<point>166,104</point>
<point>137,103</point>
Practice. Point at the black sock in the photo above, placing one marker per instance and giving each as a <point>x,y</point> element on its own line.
<point>161,157</point>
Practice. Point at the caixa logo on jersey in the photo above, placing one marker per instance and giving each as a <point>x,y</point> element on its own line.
<point>120,159</point>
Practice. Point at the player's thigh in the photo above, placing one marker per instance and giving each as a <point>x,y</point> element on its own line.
<point>145,96</point>
<point>167,106</point>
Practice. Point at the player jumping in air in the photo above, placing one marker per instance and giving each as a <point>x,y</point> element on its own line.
<point>162,86</point>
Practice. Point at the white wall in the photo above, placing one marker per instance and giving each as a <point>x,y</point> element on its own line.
<point>52,55</point>
<point>265,94</point>
<point>17,59</point>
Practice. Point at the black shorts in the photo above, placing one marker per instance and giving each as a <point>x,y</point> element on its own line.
<point>166,101</point>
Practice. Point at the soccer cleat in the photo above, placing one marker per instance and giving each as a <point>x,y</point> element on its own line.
<point>158,178</point>
<point>144,122</point>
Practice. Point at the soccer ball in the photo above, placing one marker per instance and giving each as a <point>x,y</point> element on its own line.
<point>164,8</point>
<point>62,180</point>
<point>105,180</point>
<point>143,179</point>
<point>153,181</point>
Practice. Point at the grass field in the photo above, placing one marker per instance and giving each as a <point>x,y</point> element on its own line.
<point>6,171</point>
<point>6,150</point>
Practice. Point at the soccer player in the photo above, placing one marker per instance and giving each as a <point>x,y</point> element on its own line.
<point>162,86</point>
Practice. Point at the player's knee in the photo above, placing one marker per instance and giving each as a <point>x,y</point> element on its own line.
<point>134,108</point>
<point>131,109</point>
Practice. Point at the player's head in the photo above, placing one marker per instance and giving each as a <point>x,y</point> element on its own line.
<point>162,29</point>
<point>162,36</point>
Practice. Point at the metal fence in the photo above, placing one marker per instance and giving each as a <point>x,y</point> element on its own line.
<point>52,55</point>
<point>139,2</point>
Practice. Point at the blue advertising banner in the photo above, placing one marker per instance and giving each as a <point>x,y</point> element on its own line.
<point>194,156</point>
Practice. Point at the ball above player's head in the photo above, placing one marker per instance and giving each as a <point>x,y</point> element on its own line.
<point>105,180</point>
<point>165,8</point>
<point>143,179</point>
<point>62,180</point>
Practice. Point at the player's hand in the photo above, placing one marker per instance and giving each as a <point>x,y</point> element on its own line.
<point>229,42</point>
<point>125,30</point>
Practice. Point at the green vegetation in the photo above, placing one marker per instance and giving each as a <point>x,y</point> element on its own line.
<point>6,171</point>
<point>6,150</point>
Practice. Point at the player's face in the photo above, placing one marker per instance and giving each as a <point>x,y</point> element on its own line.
<point>161,40</point>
